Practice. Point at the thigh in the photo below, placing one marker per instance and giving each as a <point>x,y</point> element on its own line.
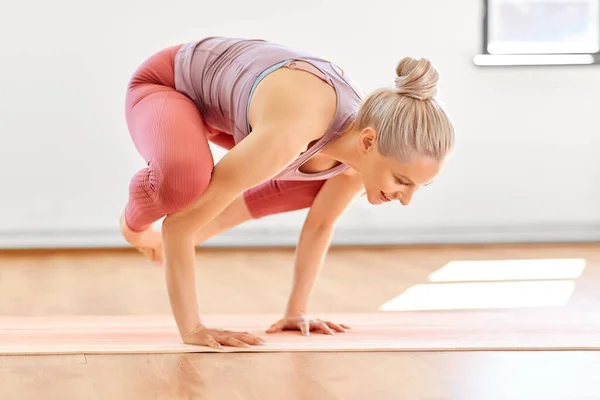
<point>162,120</point>
<point>274,197</point>
<point>169,133</point>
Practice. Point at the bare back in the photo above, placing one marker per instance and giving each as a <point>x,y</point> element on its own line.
<point>305,88</point>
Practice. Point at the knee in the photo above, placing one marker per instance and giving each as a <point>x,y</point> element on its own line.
<point>181,182</point>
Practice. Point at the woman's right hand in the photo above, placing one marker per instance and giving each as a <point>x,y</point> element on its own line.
<point>217,338</point>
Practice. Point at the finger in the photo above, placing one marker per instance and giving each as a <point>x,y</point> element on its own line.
<point>210,342</point>
<point>345,326</point>
<point>145,252</point>
<point>335,326</point>
<point>159,257</point>
<point>245,335</point>
<point>325,328</point>
<point>156,257</point>
<point>250,339</point>
<point>233,342</point>
<point>305,328</point>
<point>151,255</point>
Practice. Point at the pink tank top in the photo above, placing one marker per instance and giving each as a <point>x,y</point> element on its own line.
<point>219,74</point>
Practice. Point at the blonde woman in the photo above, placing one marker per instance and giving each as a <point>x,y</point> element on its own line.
<point>298,136</point>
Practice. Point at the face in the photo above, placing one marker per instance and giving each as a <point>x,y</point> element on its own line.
<point>386,179</point>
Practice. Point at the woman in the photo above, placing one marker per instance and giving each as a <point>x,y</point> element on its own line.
<point>299,135</point>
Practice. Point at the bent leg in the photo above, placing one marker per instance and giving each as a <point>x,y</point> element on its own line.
<point>272,197</point>
<point>169,133</point>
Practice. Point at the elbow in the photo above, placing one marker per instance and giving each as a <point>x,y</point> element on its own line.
<point>228,183</point>
<point>176,227</point>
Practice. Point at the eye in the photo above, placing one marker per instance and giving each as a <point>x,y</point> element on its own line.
<point>401,182</point>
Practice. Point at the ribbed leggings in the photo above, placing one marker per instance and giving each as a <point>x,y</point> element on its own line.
<point>169,133</point>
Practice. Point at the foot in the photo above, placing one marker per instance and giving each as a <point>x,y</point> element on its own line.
<point>148,242</point>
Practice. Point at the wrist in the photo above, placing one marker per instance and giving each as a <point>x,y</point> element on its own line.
<point>298,300</point>
<point>187,325</point>
<point>187,333</point>
<point>294,313</point>
<point>295,309</point>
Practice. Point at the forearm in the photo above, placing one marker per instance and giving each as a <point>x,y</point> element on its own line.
<point>310,253</point>
<point>233,215</point>
<point>179,231</point>
<point>181,280</point>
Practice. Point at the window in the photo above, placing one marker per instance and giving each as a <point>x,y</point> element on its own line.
<point>540,32</point>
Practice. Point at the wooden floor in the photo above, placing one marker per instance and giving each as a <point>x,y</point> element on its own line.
<point>103,282</point>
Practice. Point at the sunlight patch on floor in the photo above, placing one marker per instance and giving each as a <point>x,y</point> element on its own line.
<point>496,270</point>
<point>482,295</point>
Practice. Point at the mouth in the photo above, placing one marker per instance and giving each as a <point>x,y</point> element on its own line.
<point>384,197</point>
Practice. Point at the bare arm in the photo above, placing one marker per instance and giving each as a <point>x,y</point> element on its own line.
<point>280,135</point>
<point>333,199</point>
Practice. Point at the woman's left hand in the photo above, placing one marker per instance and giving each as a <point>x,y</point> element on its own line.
<point>306,324</point>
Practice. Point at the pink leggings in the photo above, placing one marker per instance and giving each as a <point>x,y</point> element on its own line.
<point>170,134</point>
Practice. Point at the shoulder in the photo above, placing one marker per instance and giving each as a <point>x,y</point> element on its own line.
<point>289,96</point>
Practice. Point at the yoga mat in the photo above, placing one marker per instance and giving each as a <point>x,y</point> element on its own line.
<point>393,331</point>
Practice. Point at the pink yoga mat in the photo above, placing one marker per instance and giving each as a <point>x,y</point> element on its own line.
<point>393,331</point>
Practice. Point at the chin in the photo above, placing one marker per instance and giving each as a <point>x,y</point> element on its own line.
<point>373,198</point>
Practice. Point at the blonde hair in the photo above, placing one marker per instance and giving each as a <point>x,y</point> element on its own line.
<point>409,119</point>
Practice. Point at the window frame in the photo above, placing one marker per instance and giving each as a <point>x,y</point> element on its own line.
<point>485,58</point>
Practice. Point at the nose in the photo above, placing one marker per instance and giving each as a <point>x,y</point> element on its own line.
<point>406,197</point>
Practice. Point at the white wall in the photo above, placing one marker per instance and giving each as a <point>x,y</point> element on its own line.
<point>526,167</point>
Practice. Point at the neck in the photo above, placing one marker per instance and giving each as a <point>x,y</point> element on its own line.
<point>344,148</point>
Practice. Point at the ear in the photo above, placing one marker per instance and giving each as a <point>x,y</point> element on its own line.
<point>366,140</point>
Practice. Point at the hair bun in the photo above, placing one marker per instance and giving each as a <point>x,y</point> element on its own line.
<point>417,78</point>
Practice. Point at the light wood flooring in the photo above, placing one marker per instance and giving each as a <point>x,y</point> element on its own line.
<point>104,282</point>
